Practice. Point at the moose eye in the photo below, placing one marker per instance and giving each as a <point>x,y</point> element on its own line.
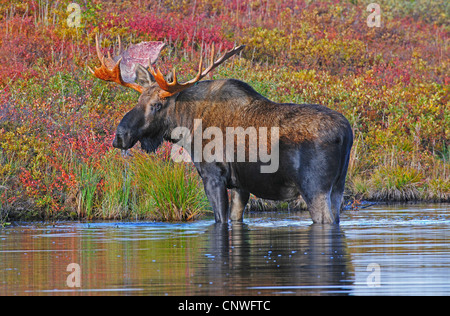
<point>156,107</point>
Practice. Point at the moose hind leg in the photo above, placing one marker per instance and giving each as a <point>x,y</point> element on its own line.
<point>239,199</point>
<point>336,197</point>
<point>316,187</point>
<point>319,207</point>
<point>316,178</point>
<point>337,192</point>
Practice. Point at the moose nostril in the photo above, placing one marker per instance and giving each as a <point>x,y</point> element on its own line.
<point>117,142</point>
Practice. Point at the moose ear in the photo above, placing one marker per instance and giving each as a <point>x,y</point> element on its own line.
<point>143,76</point>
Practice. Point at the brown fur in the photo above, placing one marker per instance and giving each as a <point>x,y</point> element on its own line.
<point>246,108</point>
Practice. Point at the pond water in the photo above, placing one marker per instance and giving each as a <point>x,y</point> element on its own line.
<point>379,250</point>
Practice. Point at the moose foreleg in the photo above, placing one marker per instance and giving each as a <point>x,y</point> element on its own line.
<point>239,199</point>
<point>216,191</point>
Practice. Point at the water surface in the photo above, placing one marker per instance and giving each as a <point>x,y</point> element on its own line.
<point>380,250</point>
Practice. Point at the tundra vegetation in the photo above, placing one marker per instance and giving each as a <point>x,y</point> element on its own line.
<point>57,121</point>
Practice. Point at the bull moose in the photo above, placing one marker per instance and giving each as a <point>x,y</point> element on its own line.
<point>313,141</point>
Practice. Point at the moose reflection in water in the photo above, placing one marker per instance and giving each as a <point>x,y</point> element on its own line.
<point>268,254</point>
<point>288,260</point>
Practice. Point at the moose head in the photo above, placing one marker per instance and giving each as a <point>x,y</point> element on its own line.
<point>147,122</point>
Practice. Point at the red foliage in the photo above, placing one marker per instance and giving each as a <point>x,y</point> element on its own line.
<point>23,46</point>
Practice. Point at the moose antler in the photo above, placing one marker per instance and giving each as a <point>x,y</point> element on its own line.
<point>171,88</point>
<point>110,69</point>
<point>121,68</point>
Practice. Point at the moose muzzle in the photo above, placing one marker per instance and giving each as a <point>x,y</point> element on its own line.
<point>123,139</point>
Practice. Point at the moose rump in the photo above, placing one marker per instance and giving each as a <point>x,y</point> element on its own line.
<point>305,147</point>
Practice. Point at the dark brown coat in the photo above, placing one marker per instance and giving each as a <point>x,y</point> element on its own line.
<point>313,146</point>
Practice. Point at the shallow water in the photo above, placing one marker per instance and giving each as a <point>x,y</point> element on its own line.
<point>380,250</point>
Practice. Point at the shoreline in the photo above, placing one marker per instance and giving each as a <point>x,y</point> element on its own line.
<point>270,206</point>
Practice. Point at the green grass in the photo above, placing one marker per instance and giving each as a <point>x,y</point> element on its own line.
<point>89,178</point>
<point>172,190</point>
<point>396,184</point>
<point>140,186</point>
